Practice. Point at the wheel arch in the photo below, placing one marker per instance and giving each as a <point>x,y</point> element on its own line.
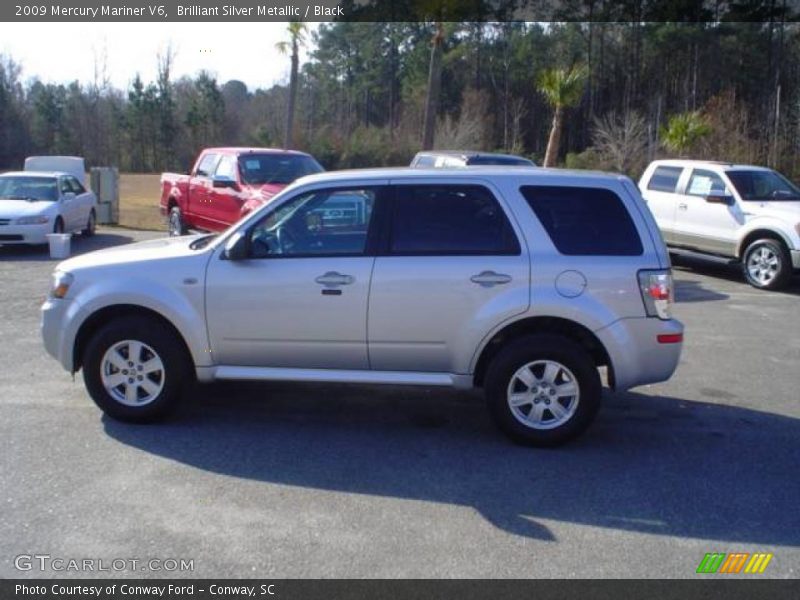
<point>105,315</point>
<point>542,324</point>
<point>761,233</point>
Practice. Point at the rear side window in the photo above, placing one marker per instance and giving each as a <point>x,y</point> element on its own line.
<point>450,220</point>
<point>584,221</point>
<point>665,179</point>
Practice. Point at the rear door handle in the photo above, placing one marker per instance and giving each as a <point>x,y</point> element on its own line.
<point>334,279</point>
<point>490,278</point>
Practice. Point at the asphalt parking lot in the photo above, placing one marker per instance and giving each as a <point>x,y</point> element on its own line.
<point>287,480</point>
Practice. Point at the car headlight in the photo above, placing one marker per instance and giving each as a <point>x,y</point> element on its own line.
<point>38,220</point>
<point>61,282</point>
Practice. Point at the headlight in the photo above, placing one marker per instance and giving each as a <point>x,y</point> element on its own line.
<point>41,219</point>
<point>61,283</point>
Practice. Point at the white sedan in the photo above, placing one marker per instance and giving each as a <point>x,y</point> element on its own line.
<point>35,203</point>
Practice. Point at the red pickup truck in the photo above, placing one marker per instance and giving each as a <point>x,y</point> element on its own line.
<point>227,183</point>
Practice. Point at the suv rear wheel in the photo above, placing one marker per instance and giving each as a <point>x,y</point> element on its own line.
<point>134,369</point>
<point>543,390</point>
<point>767,265</point>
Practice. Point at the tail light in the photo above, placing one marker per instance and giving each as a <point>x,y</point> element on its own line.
<point>657,293</point>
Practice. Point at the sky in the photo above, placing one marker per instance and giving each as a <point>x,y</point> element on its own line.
<point>63,52</point>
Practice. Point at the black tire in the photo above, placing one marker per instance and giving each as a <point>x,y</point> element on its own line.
<point>58,226</point>
<point>175,224</point>
<point>758,268</point>
<point>534,349</point>
<point>91,225</point>
<point>176,371</point>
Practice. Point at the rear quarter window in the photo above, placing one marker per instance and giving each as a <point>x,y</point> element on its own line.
<point>665,179</point>
<point>584,221</point>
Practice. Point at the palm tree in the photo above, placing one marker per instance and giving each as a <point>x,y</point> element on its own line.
<point>297,39</point>
<point>683,131</point>
<point>563,89</point>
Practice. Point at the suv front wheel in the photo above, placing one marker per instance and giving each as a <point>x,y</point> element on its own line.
<point>134,369</point>
<point>543,390</point>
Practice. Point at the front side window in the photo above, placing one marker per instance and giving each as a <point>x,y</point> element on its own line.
<point>665,179</point>
<point>319,223</point>
<point>207,164</point>
<point>763,185</point>
<point>706,183</point>
<point>76,185</point>
<point>226,168</point>
<point>460,220</point>
<point>584,221</point>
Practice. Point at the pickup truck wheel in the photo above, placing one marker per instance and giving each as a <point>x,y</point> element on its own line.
<point>767,265</point>
<point>176,225</point>
<point>91,225</point>
<point>134,370</point>
<point>543,390</point>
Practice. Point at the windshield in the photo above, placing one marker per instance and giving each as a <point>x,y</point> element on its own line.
<point>23,187</point>
<point>763,185</point>
<point>258,169</point>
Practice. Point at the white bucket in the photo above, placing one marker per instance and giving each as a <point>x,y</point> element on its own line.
<point>59,244</point>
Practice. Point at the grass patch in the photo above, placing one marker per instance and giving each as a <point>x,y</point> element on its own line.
<point>138,201</point>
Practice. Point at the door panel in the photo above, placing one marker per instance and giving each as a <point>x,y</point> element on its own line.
<point>453,269</point>
<point>273,312</point>
<point>422,309</point>
<point>225,203</point>
<point>705,226</point>
<point>300,299</point>
<point>660,195</point>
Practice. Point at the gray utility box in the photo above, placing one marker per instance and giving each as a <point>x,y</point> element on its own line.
<point>104,182</point>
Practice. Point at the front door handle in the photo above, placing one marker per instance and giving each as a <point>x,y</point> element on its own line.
<point>334,279</point>
<point>490,278</point>
<point>683,206</point>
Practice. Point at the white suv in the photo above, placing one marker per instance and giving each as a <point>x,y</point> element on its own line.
<point>523,282</point>
<point>734,213</point>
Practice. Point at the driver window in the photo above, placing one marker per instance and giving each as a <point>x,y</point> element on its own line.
<point>227,168</point>
<point>706,183</point>
<point>319,223</point>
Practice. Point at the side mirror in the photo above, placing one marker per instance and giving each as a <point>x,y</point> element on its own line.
<point>720,199</point>
<point>219,181</point>
<point>236,246</point>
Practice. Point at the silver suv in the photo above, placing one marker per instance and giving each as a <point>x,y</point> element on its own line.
<point>524,283</point>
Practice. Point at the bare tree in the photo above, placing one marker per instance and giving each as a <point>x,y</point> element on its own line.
<point>621,141</point>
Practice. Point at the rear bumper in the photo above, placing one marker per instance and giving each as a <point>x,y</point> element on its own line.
<point>637,356</point>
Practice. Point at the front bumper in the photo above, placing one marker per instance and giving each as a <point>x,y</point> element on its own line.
<point>637,357</point>
<point>24,234</point>
<point>58,330</point>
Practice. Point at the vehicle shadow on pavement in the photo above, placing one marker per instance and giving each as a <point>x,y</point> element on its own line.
<point>686,265</point>
<point>695,291</point>
<point>78,245</point>
<point>654,465</point>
